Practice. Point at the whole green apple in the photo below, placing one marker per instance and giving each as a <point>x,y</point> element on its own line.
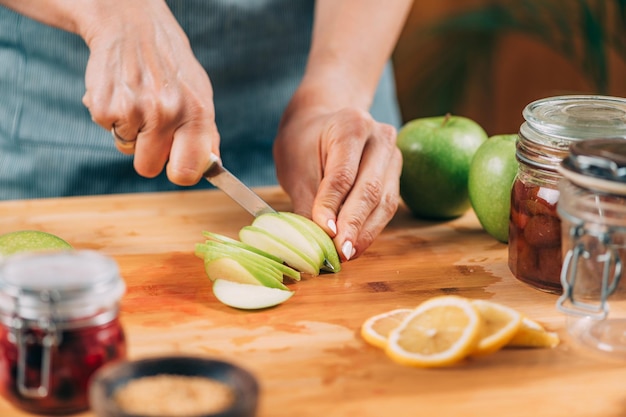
<point>491,177</point>
<point>437,153</point>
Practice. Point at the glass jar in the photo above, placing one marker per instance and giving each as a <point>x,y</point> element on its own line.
<point>59,324</point>
<point>593,213</point>
<point>551,126</point>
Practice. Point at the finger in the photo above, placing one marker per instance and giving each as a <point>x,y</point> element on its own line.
<point>380,159</point>
<point>347,137</point>
<point>383,212</point>
<point>123,145</point>
<point>190,153</point>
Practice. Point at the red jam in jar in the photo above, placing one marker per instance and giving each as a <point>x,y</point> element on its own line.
<point>59,316</point>
<point>535,232</point>
<point>551,126</point>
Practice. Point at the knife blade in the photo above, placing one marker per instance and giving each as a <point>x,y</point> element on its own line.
<point>223,179</point>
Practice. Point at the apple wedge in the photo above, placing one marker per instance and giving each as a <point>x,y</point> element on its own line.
<point>210,248</point>
<point>309,227</point>
<point>225,239</point>
<point>238,270</point>
<point>248,296</point>
<point>290,254</point>
<point>281,227</point>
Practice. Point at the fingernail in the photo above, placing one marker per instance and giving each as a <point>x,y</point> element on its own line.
<point>332,225</point>
<point>347,249</point>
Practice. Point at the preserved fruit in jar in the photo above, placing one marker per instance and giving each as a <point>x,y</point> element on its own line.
<point>77,355</point>
<point>551,126</point>
<point>535,235</point>
<point>59,324</point>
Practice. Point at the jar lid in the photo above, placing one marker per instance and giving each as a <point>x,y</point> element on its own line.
<point>578,117</point>
<point>597,164</point>
<point>65,284</point>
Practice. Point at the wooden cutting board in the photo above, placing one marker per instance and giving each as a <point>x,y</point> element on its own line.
<point>307,352</point>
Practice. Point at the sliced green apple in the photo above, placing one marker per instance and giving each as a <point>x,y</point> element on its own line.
<point>280,227</point>
<point>290,254</point>
<point>309,227</point>
<point>203,250</point>
<point>225,239</point>
<point>238,270</point>
<point>248,296</point>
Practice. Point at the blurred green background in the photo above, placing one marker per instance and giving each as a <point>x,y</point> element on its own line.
<point>487,59</point>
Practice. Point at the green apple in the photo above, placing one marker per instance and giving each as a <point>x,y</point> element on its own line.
<point>437,153</point>
<point>238,270</point>
<point>491,177</point>
<point>212,248</point>
<point>274,246</point>
<point>253,266</point>
<point>248,296</point>
<point>30,240</point>
<point>225,239</point>
<point>309,227</point>
<point>290,254</point>
<point>284,228</point>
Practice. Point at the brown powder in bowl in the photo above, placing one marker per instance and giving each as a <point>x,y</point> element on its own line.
<point>174,396</point>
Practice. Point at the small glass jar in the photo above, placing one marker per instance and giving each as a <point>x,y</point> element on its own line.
<point>551,126</point>
<point>593,213</point>
<point>58,325</point>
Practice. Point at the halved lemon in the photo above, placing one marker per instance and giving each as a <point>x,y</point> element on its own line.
<point>439,332</point>
<point>500,324</point>
<point>376,329</point>
<point>532,334</point>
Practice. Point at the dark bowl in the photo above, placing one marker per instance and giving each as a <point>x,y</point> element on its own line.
<point>115,375</point>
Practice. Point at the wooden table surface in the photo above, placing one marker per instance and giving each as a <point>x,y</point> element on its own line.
<point>307,352</point>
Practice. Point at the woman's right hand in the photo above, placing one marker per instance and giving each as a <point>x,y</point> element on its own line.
<point>143,79</point>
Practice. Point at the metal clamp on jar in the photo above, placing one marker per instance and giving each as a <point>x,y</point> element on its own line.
<point>58,325</point>
<point>592,209</point>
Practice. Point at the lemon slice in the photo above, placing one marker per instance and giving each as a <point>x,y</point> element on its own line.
<point>376,329</point>
<point>439,332</point>
<point>533,334</point>
<point>500,324</point>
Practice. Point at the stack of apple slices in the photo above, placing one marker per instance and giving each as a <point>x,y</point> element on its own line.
<point>249,273</point>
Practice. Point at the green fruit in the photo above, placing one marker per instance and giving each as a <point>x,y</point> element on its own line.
<point>30,240</point>
<point>437,153</point>
<point>491,177</point>
<point>248,296</point>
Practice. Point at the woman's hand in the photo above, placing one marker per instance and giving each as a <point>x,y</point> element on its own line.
<point>339,165</point>
<point>143,79</point>
<point>340,168</point>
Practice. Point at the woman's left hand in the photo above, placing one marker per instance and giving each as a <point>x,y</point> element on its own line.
<point>341,168</point>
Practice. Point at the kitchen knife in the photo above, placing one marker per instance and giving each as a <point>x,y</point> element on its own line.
<point>220,177</point>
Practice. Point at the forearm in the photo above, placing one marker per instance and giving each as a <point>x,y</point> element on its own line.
<point>352,41</point>
<point>83,17</point>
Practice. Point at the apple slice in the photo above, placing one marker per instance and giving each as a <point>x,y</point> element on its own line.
<point>225,239</point>
<point>252,267</point>
<point>238,270</point>
<point>290,254</point>
<point>248,296</point>
<point>308,226</point>
<point>237,251</point>
<point>281,228</point>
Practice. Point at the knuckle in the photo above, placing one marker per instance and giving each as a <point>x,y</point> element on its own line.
<point>342,180</point>
<point>372,191</point>
<point>389,205</point>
